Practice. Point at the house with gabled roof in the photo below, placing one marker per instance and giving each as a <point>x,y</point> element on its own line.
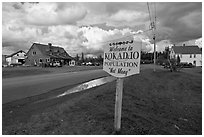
<point>41,54</point>
<point>17,58</point>
<point>187,54</point>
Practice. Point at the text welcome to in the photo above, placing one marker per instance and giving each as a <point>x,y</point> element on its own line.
<point>121,59</point>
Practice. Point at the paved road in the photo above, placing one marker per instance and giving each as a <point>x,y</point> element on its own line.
<point>21,87</point>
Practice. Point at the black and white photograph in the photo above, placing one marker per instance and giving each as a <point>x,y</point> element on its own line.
<point>101,68</point>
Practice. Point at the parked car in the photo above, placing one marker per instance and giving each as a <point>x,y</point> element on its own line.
<point>89,64</point>
<point>187,65</point>
<point>55,64</point>
<point>146,61</point>
<point>83,63</point>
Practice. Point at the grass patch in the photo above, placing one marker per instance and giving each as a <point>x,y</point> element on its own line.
<point>153,103</point>
<point>22,71</point>
<point>10,72</point>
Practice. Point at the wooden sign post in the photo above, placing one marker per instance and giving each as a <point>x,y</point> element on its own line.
<point>121,59</point>
<point>118,104</point>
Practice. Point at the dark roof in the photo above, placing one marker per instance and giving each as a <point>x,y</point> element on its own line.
<point>20,51</point>
<point>186,49</point>
<point>53,51</point>
<point>4,56</point>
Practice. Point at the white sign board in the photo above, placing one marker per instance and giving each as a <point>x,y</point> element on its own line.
<point>122,57</point>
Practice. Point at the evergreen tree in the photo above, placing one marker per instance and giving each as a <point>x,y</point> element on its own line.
<point>166,53</point>
<point>77,57</point>
<point>178,60</point>
<point>100,59</point>
<point>82,57</point>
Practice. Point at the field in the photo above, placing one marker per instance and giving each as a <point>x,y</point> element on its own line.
<point>26,71</point>
<point>160,102</point>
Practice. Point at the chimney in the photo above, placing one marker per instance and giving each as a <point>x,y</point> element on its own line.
<point>49,44</point>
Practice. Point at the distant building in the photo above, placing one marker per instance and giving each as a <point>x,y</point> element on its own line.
<point>187,54</point>
<point>40,54</point>
<point>17,58</point>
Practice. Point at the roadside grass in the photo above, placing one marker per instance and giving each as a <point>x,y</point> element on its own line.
<point>153,103</point>
<point>10,72</point>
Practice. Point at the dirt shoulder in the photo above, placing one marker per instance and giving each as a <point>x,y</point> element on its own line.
<point>153,103</point>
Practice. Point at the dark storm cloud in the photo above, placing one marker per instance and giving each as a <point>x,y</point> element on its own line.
<point>64,5</point>
<point>29,2</point>
<point>17,6</point>
<point>44,30</point>
<point>16,28</point>
<point>183,20</point>
<point>16,45</point>
<point>52,14</point>
<point>58,22</point>
<point>113,7</point>
<point>178,21</point>
<point>104,26</point>
<point>68,35</point>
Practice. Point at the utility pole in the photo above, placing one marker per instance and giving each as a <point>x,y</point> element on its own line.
<point>154,38</point>
<point>153,27</point>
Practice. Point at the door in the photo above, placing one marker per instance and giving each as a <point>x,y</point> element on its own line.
<point>194,62</point>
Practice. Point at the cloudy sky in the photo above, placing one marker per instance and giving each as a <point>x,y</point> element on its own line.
<point>85,27</point>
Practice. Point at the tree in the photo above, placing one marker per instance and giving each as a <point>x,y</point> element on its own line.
<point>82,57</point>
<point>100,59</point>
<point>166,53</point>
<point>178,60</point>
<point>77,57</point>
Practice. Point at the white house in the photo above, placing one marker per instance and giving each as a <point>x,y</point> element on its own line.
<point>16,58</point>
<point>187,54</point>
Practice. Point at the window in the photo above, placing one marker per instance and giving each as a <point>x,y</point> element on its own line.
<point>190,56</point>
<point>194,55</point>
<point>47,60</point>
<point>194,62</point>
<point>40,60</point>
<point>34,52</point>
<point>181,56</point>
<point>17,55</point>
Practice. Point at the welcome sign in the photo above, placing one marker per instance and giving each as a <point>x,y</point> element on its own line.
<point>122,57</point>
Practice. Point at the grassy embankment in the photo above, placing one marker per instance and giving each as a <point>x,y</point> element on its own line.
<point>27,71</point>
<point>153,103</point>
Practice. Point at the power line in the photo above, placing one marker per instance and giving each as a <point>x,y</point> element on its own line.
<point>149,13</point>
<point>155,16</point>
